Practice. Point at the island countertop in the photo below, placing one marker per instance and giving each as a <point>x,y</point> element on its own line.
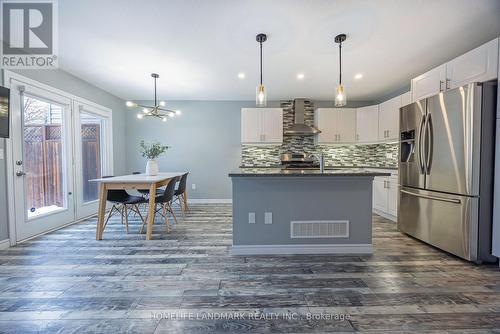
<point>277,172</point>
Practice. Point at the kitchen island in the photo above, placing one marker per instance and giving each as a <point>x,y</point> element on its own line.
<point>306,211</point>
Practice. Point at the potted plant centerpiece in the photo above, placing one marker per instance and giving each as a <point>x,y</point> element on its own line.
<point>151,151</point>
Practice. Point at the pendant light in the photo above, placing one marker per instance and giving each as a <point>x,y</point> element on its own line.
<point>157,110</point>
<point>261,94</point>
<point>340,96</point>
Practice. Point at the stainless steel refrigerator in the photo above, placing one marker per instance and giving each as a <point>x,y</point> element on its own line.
<point>446,170</point>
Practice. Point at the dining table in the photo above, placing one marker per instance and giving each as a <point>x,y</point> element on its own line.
<point>133,182</point>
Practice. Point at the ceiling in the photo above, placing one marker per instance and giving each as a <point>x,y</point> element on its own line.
<point>198,47</point>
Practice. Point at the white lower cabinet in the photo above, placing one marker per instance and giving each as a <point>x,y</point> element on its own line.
<point>379,194</point>
<point>385,196</point>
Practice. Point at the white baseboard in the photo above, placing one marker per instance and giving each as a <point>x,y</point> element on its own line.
<point>301,249</point>
<point>385,215</point>
<point>210,200</point>
<point>4,244</point>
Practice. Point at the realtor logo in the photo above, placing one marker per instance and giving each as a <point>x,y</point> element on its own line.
<point>29,31</point>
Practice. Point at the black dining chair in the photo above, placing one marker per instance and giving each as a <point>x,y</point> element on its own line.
<point>122,200</point>
<point>180,195</point>
<point>159,191</point>
<point>164,203</point>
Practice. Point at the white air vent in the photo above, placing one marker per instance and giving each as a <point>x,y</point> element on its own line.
<point>319,229</point>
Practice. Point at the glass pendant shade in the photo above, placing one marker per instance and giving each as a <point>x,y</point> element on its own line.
<point>261,96</point>
<point>340,96</point>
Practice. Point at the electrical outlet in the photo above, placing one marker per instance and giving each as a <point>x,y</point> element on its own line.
<point>388,155</point>
<point>268,217</point>
<point>193,186</point>
<point>251,217</point>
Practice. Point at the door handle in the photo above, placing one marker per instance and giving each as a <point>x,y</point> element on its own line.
<point>441,83</point>
<point>20,173</point>
<point>430,139</point>
<point>436,198</point>
<point>420,146</point>
<point>447,84</point>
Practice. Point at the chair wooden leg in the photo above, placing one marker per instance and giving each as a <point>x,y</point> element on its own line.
<point>172,212</point>
<point>109,215</point>
<point>125,213</point>
<point>165,216</point>
<point>138,211</point>
<point>180,199</point>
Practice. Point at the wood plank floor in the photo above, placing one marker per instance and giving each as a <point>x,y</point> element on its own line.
<point>67,282</point>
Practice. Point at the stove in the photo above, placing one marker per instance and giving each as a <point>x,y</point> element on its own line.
<point>298,161</point>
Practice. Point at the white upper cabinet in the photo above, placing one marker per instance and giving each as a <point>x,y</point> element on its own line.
<point>406,99</point>
<point>337,125</point>
<point>325,120</point>
<point>367,124</point>
<point>272,125</point>
<point>347,125</point>
<point>388,119</point>
<point>261,125</point>
<point>478,65</point>
<point>251,125</point>
<point>429,83</point>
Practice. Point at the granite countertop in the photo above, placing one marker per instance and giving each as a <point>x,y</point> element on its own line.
<point>339,172</point>
<point>327,167</point>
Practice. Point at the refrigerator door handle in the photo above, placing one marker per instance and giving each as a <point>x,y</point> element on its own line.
<point>429,143</point>
<point>436,198</point>
<point>420,146</point>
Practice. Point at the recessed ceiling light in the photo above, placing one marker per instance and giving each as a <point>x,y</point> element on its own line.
<point>241,75</point>
<point>358,76</point>
<point>300,76</point>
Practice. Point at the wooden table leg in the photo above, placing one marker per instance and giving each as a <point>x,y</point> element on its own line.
<point>151,210</point>
<point>103,191</point>
<point>185,198</point>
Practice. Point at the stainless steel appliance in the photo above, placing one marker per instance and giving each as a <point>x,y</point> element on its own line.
<point>446,170</point>
<point>298,161</point>
<point>299,127</point>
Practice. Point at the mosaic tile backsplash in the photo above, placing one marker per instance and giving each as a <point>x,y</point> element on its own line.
<point>366,155</point>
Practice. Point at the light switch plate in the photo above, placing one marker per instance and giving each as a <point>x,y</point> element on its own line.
<point>268,218</point>
<point>251,217</point>
<point>193,186</point>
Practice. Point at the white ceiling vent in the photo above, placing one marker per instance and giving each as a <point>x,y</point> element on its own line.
<point>319,229</point>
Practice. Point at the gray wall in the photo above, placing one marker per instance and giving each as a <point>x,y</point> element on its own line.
<point>71,84</point>
<point>205,141</point>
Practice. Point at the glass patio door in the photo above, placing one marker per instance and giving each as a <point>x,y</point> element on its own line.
<point>92,154</point>
<point>42,157</point>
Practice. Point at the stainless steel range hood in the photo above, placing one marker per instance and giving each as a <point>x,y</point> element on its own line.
<point>299,128</point>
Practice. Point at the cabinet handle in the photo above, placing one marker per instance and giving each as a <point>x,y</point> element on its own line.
<point>388,133</point>
<point>441,82</point>
<point>447,83</point>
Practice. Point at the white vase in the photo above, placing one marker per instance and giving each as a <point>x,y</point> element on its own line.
<point>152,167</point>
